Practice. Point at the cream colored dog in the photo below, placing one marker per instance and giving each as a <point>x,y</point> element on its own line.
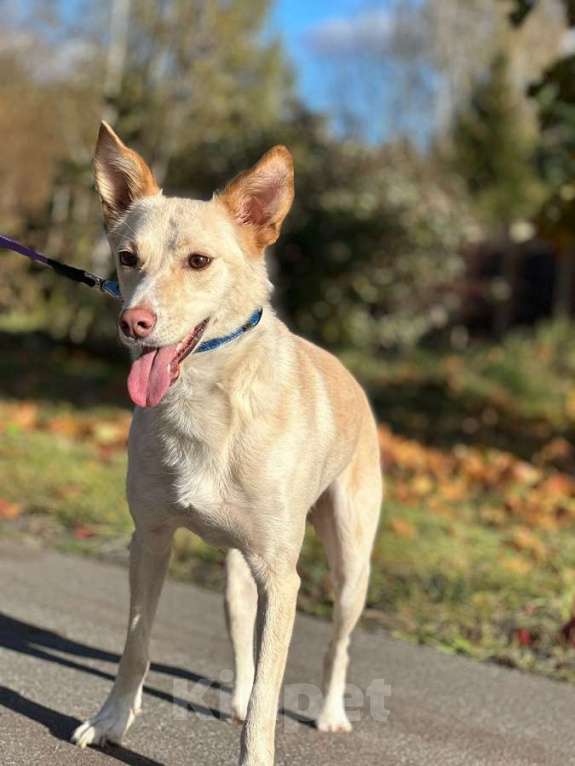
<point>240,444</point>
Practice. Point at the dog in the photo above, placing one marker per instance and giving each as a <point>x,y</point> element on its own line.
<point>242,432</point>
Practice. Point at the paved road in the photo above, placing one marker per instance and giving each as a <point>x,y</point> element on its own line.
<point>61,625</point>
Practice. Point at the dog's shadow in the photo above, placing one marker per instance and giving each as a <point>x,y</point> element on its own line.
<point>34,641</point>
<point>61,726</point>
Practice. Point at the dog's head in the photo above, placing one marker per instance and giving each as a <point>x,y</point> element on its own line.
<point>187,269</point>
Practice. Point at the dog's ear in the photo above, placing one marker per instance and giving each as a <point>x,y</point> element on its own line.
<point>122,176</point>
<point>260,198</point>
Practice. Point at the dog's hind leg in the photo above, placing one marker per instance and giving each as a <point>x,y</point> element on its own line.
<point>241,600</point>
<point>345,519</point>
<point>149,557</point>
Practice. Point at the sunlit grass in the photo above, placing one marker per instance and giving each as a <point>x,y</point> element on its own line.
<point>51,474</point>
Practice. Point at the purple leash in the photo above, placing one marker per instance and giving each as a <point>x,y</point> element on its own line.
<point>108,286</point>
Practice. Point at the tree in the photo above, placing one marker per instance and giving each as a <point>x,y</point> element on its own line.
<point>493,151</point>
<point>370,252</point>
<point>170,74</point>
<point>554,96</point>
<point>523,8</point>
<point>372,243</point>
<point>465,38</point>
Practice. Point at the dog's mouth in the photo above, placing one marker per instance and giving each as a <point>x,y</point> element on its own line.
<point>154,371</point>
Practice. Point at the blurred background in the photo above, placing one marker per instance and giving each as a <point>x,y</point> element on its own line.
<point>431,246</point>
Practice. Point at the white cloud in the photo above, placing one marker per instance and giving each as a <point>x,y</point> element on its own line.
<point>567,46</point>
<point>68,57</point>
<point>15,41</point>
<point>54,62</point>
<point>367,31</point>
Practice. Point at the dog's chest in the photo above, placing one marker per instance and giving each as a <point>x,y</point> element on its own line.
<point>197,472</point>
<point>197,453</point>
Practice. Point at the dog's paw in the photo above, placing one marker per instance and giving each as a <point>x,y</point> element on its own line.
<point>334,720</point>
<point>109,725</point>
<point>240,708</point>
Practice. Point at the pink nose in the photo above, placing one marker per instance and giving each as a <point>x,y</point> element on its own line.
<point>137,322</point>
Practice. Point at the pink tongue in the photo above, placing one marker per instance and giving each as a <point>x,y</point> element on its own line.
<point>150,376</point>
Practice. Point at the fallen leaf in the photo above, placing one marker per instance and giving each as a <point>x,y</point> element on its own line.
<point>523,637</point>
<point>9,510</point>
<point>83,532</point>
<point>108,433</point>
<point>422,485</point>
<point>454,491</point>
<point>402,528</point>
<point>24,415</point>
<point>517,565</point>
<point>523,539</point>
<point>65,425</point>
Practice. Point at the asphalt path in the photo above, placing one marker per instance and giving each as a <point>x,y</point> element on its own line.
<point>62,623</point>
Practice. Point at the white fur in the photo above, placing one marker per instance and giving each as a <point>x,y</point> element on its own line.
<point>253,439</point>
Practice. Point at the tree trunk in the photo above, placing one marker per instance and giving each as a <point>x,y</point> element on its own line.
<point>563,284</point>
<point>503,314</point>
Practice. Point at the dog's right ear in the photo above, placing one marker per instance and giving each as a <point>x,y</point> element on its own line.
<point>122,176</point>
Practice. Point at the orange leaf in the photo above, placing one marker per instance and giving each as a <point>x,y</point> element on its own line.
<point>523,539</point>
<point>559,485</point>
<point>83,532</point>
<point>9,510</point>
<point>454,491</point>
<point>65,425</point>
<point>422,485</point>
<point>24,415</point>
<point>517,565</point>
<point>402,528</point>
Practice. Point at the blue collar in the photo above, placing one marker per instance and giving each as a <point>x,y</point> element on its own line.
<point>213,343</point>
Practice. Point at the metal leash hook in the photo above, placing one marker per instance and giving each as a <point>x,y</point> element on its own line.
<point>108,286</point>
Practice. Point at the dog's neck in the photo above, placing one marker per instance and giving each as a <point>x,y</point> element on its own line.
<point>211,344</point>
<point>220,385</point>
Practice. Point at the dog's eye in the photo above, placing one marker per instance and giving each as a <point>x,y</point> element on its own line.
<point>197,261</point>
<point>128,258</point>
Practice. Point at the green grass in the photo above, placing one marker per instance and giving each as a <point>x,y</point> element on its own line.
<point>444,573</point>
<point>54,475</point>
<point>514,396</point>
<point>457,585</point>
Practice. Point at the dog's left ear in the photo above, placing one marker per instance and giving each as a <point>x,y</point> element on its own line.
<point>260,198</point>
<point>122,176</point>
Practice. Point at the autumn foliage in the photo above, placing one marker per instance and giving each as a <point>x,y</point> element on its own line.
<point>504,489</point>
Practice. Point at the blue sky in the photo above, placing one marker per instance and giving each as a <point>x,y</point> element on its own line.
<point>295,20</point>
<point>308,29</point>
<point>320,35</point>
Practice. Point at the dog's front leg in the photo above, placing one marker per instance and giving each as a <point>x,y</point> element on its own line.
<point>277,585</point>
<point>241,607</point>
<point>149,557</point>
